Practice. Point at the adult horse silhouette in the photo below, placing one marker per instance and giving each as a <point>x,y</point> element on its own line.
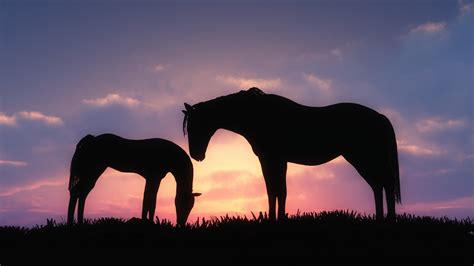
<point>281,131</point>
<point>150,158</point>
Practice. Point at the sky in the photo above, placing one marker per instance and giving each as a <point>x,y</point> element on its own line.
<point>71,68</point>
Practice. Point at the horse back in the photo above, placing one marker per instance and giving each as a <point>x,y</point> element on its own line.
<point>314,135</point>
<point>144,156</point>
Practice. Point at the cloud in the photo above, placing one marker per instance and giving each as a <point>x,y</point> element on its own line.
<point>324,85</point>
<point>441,207</point>
<point>332,55</point>
<point>33,186</point>
<point>337,53</point>
<point>436,124</point>
<point>112,99</point>
<point>466,8</point>
<point>13,163</point>
<point>409,140</point>
<point>158,68</point>
<point>30,115</point>
<point>245,83</point>
<point>7,120</point>
<point>324,56</point>
<point>468,157</point>
<point>429,28</point>
<point>418,150</point>
<point>37,116</point>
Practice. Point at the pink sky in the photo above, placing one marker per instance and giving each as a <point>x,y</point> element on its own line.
<point>127,69</point>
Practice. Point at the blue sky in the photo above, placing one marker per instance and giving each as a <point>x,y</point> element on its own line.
<point>69,68</point>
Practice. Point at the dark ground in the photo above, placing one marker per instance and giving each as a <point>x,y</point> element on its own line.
<point>338,235</point>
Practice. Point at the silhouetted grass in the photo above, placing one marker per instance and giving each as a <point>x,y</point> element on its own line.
<point>340,233</point>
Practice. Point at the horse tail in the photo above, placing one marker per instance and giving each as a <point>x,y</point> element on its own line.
<point>392,154</point>
<point>396,171</point>
<point>73,179</point>
<point>72,175</point>
<point>73,172</point>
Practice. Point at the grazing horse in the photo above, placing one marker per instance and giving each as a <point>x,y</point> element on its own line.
<point>281,131</point>
<point>150,158</point>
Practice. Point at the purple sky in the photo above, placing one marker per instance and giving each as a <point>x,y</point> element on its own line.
<point>70,68</point>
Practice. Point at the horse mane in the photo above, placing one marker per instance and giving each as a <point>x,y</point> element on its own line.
<point>226,99</point>
<point>243,94</point>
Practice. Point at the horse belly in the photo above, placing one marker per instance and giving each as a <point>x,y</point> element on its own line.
<point>141,163</point>
<point>312,154</point>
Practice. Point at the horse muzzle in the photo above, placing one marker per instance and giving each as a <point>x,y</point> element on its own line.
<point>198,157</point>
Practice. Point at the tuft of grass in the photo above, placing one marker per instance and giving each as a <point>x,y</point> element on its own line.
<point>341,233</point>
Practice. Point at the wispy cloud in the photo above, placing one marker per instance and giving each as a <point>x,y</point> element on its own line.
<point>7,119</point>
<point>32,186</point>
<point>337,53</point>
<point>464,202</point>
<point>37,116</point>
<point>159,102</point>
<point>30,115</point>
<point>325,56</point>
<point>409,139</point>
<point>429,28</point>
<point>418,150</point>
<point>436,124</point>
<point>112,99</point>
<point>465,8</point>
<point>13,163</point>
<point>469,157</point>
<point>324,85</point>
<point>245,83</point>
<point>158,68</point>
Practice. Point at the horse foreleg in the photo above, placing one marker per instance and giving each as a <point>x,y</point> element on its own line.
<point>271,200</point>
<point>145,207</point>
<point>280,175</point>
<point>281,204</point>
<point>274,173</point>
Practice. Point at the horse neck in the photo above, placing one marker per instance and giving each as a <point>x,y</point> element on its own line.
<point>232,119</point>
<point>184,179</point>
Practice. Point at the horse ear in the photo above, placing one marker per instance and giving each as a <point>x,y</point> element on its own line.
<point>188,107</point>
<point>196,194</point>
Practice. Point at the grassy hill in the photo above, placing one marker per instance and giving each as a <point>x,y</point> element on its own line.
<point>338,233</point>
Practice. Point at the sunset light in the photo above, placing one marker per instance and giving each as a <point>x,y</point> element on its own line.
<point>72,69</point>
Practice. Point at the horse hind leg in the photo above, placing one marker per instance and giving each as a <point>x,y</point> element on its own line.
<point>370,176</point>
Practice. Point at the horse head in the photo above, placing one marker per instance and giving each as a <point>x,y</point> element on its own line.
<point>184,204</point>
<point>199,130</point>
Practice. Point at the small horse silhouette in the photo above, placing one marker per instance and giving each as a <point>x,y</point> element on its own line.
<point>280,131</point>
<point>150,158</point>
